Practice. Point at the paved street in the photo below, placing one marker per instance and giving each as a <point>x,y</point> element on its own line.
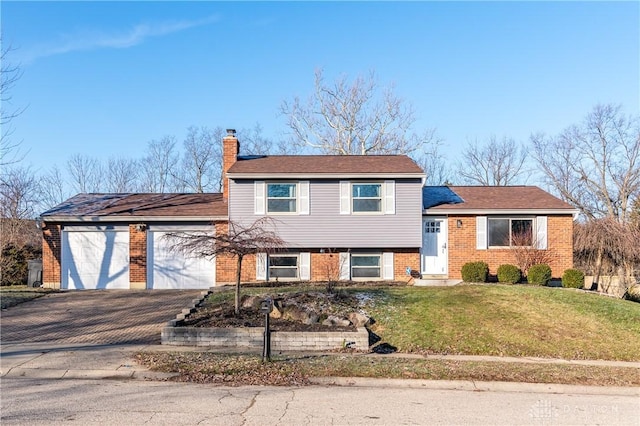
<point>115,402</point>
<point>94,317</point>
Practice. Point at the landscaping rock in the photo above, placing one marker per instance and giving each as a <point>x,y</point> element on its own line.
<point>275,313</point>
<point>334,321</point>
<point>296,313</point>
<point>359,320</point>
<point>251,301</point>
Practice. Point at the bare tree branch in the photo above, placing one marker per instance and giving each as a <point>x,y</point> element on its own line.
<point>353,118</point>
<point>495,163</point>
<point>238,241</point>
<point>595,166</point>
<point>9,75</point>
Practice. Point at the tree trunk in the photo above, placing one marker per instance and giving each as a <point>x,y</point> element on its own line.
<point>238,274</point>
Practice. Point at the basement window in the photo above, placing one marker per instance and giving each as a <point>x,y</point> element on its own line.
<point>283,267</point>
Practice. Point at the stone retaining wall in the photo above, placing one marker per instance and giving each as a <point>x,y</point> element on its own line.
<point>252,337</point>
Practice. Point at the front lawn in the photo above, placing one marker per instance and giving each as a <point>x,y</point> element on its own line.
<point>16,294</point>
<point>507,320</point>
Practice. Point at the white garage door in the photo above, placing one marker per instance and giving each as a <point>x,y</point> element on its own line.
<point>170,269</point>
<point>95,258</point>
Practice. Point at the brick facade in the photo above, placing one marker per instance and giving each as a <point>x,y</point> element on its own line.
<point>137,257</point>
<point>462,245</point>
<point>51,255</point>
<point>230,150</point>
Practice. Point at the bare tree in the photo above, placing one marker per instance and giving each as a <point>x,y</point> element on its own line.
<point>121,175</point>
<point>352,118</point>
<point>237,241</point>
<point>435,166</point>
<point>494,163</point>
<point>53,188</point>
<point>202,160</point>
<point>605,246</point>
<point>159,166</point>
<point>9,75</point>
<point>86,173</point>
<point>595,165</point>
<point>19,198</point>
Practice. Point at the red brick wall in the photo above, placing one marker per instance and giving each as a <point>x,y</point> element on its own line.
<point>51,255</point>
<point>137,256</point>
<point>462,246</point>
<point>230,149</point>
<point>403,259</point>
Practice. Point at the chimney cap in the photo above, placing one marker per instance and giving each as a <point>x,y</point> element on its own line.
<point>231,132</point>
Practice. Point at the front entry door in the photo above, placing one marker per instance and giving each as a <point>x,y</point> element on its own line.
<point>434,246</point>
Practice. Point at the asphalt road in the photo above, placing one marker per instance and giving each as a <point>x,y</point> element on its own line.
<point>120,402</point>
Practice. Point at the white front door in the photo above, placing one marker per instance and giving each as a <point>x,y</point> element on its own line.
<point>434,246</point>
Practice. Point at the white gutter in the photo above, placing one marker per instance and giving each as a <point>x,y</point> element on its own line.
<point>267,176</point>
<point>434,212</point>
<point>93,219</point>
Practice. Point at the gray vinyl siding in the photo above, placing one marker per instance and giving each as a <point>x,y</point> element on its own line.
<point>325,227</point>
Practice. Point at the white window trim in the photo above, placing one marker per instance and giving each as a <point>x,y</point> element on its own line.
<point>296,278</point>
<point>261,190</point>
<point>380,266</point>
<point>538,230</point>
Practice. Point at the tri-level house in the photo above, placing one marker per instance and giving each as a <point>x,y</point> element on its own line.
<point>342,218</point>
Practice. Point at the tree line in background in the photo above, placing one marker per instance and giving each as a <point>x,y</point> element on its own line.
<point>593,165</point>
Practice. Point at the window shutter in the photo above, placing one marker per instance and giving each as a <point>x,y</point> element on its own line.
<point>305,266</point>
<point>387,266</point>
<point>481,232</point>
<point>259,189</point>
<point>345,197</point>
<point>345,266</point>
<point>303,197</point>
<point>389,197</point>
<point>261,266</point>
<point>541,232</point>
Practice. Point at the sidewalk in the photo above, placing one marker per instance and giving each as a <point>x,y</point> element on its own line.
<point>47,361</point>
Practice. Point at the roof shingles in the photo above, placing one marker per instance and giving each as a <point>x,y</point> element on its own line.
<point>504,198</point>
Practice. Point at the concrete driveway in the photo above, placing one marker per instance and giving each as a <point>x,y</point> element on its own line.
<point>95,317</point>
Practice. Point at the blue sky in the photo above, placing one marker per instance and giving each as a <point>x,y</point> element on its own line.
<point>104,78</point>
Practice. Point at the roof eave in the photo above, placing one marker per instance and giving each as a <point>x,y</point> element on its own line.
<point>441,211</point>
<point>326,175</point>
<point>103,219</point>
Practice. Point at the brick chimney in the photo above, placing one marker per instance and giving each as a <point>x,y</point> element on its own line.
<point>230,150</point>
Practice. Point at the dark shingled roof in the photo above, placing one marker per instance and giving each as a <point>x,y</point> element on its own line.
<point>503,198</point>
<point>330,164</point>
<point>436,195</point>
<point>140,205</point>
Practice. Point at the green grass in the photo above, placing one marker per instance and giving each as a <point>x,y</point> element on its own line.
<point>507,320</point>
<point>496,319</point>
<point>14,295</point>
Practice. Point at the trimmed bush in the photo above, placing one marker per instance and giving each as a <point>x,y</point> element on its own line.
<point>509,274</point>
<point>539,274</point>
<point>573,278</point>
<point>475,272</point>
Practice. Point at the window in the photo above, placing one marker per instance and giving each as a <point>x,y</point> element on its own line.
<point>505,232</point>
<point>366,197</point>
<point>365,266</point>
<point>283,267</point>
<point>281,197</point>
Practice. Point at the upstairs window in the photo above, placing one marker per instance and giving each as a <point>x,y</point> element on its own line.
<point>506,232</point>
<point>366,197</point>
<point>281,198</point>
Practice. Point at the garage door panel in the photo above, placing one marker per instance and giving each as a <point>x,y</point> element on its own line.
<point>171,269</point>
<point>95,260</point>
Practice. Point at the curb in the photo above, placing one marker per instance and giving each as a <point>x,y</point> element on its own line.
<point>468,385</point>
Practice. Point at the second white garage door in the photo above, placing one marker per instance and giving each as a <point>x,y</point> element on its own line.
<point>170,269</point>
